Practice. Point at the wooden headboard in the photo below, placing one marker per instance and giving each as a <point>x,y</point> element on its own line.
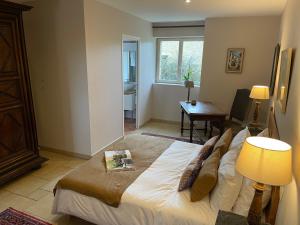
<point>272,207</point>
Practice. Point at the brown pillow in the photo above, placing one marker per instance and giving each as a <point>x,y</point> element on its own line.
<point>190,173</point>
<point>208,147</point>
<point>207,178</point>
<point>223,143</point>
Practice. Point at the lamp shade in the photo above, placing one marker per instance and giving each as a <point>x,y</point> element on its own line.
<point>266,160</point>
<point>260,92</point>
<point>189,84</point>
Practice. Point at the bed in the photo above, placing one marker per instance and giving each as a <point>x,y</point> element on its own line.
<point>152,199</point>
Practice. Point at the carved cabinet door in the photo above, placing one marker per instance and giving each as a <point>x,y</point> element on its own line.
<point>16,141</point>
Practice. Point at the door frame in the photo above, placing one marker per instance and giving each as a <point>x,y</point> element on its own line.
<point>126,37</point>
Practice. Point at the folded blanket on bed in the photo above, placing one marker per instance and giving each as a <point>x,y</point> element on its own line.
<point>93,180</point>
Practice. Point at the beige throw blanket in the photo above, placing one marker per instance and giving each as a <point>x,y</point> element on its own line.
<point>93,180</point>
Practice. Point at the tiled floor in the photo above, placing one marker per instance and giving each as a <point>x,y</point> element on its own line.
<point>32,193</point>
<point>129,125</point>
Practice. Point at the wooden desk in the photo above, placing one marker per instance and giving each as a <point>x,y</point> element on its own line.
<point>202,111</point>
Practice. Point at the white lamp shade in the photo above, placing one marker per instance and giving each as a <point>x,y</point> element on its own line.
<point>260,92</point>
<point>266,160</point>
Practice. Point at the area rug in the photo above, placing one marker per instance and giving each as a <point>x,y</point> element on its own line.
<point>200,142</point>
<point>14,217</point>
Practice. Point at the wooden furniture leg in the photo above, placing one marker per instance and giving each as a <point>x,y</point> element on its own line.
<point>182,121</point>
<point>222,126</point>
<point>191,130</point>
<point>205,130</point>
<point>255,211</point>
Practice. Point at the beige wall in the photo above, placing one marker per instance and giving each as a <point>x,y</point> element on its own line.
<point>57,61</point>
<point>258,35</point>
<point>104,28</point>
<point>166,99</point>
<point>289,123</point>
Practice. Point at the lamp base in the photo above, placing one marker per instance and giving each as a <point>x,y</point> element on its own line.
<point>255,211</point>
<point>256,112</point>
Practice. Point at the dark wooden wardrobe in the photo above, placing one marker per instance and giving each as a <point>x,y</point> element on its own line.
<point>18,139</point>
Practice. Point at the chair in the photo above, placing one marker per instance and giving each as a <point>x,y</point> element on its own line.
<point>239,111</point>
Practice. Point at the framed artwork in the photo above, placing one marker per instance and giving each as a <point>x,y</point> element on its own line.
<point>284,78</point>
<point>235,58</point>
<point>274,69</point>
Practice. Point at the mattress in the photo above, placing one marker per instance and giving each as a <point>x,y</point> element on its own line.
<point>152,199</point>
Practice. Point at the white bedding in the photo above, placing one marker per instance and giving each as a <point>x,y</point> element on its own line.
<point>152,199</point>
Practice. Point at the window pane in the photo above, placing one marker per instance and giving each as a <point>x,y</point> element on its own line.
<point>192,58</point>
<point>168,60</point>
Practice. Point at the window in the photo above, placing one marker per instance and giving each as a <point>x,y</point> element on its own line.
<point>175,57</point>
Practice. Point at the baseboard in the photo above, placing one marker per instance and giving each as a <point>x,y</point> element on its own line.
<point>113,142</point>
<point>145,122</point>
<point>64,152</point>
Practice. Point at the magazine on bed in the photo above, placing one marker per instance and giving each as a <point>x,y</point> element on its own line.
<point>118,160</point>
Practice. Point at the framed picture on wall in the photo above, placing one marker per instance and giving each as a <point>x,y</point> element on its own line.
<point>284,78</point>
<point>235,59</point>
<point>274,69</point>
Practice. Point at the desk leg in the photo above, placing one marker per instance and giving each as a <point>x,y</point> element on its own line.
<point>222,126</point>
<point>182,121</point>
<point>191,130</point>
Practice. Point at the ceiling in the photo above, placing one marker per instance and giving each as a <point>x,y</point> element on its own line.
<point>178,10</point>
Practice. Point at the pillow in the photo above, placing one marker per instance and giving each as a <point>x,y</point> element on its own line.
<point>190,173</point>
<point>264,133</point>
<point>246,195</point>
<point>224,142</point>
<point>207,178</point>
<point>247,192</point>
<point>208,147</point>
<point>230,181</point>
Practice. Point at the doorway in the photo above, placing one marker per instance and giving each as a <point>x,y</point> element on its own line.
<point>130,79</point>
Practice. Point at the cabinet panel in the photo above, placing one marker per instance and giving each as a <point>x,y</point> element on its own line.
<point>12,130</point>
<point>9,92</point>
<point>8,63</point>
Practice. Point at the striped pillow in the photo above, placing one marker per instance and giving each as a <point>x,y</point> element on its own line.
<point>192,170</point>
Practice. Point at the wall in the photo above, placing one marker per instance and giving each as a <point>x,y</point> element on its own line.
<point>104,28</point>
<point>166,99</point>
<point>57,61</point>
<point>258,35</point>
<point>289,123</point>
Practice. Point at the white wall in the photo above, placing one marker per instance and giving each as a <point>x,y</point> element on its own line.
<point>104,27</point>
<point>166,98</point>
<point>57,62</point>
<point>289,123</point>
<point>258,35</point>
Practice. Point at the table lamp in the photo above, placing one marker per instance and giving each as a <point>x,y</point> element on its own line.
<point>265,161</point>
<point>189,84</point>
<point>259,93</point>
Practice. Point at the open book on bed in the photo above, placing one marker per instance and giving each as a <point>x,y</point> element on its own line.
<point>118,160</point>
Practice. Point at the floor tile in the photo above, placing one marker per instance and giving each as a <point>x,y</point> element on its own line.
<point>38,194</point>
<point>25,185</point>
<point>15,201</point>
<point>42,208</point>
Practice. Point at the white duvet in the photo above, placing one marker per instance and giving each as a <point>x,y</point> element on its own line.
<point>152,199</point>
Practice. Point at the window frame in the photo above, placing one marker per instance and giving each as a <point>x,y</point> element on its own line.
<point>180,52</point>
